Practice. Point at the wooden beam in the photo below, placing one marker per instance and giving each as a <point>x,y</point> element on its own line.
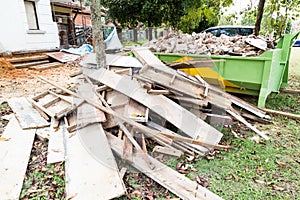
<point>242,120</point>
<point>289,115</point>
<point>175,182</point>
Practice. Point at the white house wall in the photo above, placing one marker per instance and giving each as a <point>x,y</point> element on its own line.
<point>15,35</point>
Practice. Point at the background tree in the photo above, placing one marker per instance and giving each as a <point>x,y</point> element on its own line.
<point>201,14</point>
<point>260,12</point>
<point>277,16</point>
<point>188,16</point>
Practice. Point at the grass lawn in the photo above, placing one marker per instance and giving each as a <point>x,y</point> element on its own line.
<point>257,170</point>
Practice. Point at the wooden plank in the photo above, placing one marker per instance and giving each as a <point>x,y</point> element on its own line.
<point>166,108</point>
<point>127,150</point>
<point>276,112</point>
<point>167,151</point>
<point>86,113</point>
<point>14,157</point>
<point>152,91</point>
<point>136,111</point>
<point>175,182</point>
<point>242,120</point>
<point>27,58</point>
<point>27,116</point>
<point>46,66</point>
<point>56,149</point>
<point>91,170</point>
<point>289,91</point>
<point>29,64</point>
<point>63,57</point>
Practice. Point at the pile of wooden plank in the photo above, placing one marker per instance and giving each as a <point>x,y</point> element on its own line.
<point>208,44</point>
<point>119,109</point>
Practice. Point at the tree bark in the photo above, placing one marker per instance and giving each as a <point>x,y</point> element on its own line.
<point>99,45</point>
<point>259,16</point>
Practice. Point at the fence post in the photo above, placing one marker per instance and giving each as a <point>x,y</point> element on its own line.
<point>150,33</point>
<point>134,35</point>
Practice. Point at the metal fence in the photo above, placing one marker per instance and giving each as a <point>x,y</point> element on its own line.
<point>136,35</point>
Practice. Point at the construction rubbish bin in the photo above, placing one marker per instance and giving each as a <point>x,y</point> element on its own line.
<point>259,75</point>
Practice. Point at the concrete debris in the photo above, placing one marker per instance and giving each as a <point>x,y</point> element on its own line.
<point>208,44</point>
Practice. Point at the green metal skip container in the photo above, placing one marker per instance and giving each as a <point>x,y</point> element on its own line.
<point>246,75</point>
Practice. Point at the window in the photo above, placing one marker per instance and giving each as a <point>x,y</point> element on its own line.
<point>229,31</point>
<point>213,31</point>
<point>31,15</point>
<point>246,31</point>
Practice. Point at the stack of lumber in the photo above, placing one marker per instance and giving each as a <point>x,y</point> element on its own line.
<point>120,110</point>
<point>206,44</point>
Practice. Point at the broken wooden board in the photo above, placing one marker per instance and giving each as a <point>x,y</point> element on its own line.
<point>46,66</point>
<point>175,182</point>
<point>136,111</point>
<point>56,149</point>
<point>27,116</point>
<point>56,106</point>
<point>63,57</point>
<point>86,113</point>
<point>91,169</point>
<point>166,108</point>
<point>167,151</point>
<point>158,72</point>
<point>242,120</point>
<point>14,157</point>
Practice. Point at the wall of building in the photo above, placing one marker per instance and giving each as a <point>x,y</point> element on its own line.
<point>15,34</point>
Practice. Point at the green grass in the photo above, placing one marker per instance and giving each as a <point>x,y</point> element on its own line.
<point>43,181</point>
<point>263,170</point>
<point>139,43</point>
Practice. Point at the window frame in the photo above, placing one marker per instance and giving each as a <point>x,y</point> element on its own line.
<point>30,29</point>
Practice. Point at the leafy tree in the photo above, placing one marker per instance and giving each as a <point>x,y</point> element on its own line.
<point>188,15</point>
<point>277,16</point>
<point>150,12</point>
<point>201,14</point>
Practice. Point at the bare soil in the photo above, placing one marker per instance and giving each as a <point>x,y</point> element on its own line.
<point>24,82</point>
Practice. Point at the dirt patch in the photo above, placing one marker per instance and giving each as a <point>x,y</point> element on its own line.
<point>5,66</point>
<point>24,82</point>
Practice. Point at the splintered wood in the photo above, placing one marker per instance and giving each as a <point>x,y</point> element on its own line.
<point>123,108</point>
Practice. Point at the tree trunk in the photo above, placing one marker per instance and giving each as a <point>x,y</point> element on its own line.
<point>259,16</point>
<point>99,45</point>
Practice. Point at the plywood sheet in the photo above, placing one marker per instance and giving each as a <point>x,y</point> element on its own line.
<point>91,170</point>
<point>14,157</point>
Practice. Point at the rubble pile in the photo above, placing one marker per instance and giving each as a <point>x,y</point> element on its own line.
<point>206,44</point>
<point>122,108</point>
